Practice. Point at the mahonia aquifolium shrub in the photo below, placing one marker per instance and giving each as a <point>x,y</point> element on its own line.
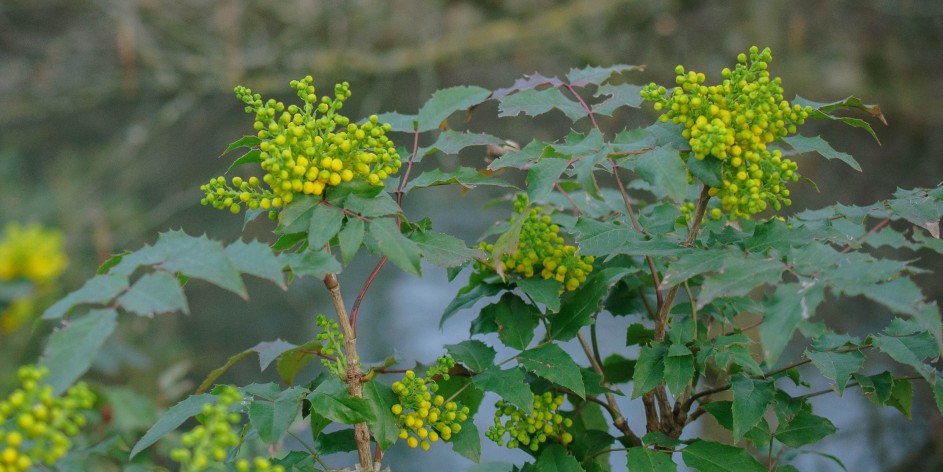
<point>35,425</point>
<point>540,251</point>
<point>206,446</point>
<point>734,122</point>
<point>36,255</point>
<point>423,416</point>
<point>531,430</point>
<point>305,150</point>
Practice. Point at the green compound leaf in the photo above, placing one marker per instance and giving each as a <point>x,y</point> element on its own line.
<point>516,321</point>
<point>649,369</point>
<point>554,364</point>
<point>537,102</point>
<point>578,310</point>
<point>255,258</point>
<point>398,248</point>
<point>696,262</point>
<point>618,369</point>
<point>707,170</point>
<point>643,459</point>
<point>508,384</point>
<point>467,442</point>
<point>664,168</point>
<point>385,430</point>
<point>326,222</point>
<point>902,396</point>
<point>542,176</point>
<point>153,294</point>
<point>272,418</point>
<point>245,141</point>
<point>311,263</point>
<point>72,348</point>
<point>555,459</point>
<point>250,157</point>
<point>709,456</point>
<point>738,277</point>
<point>837,366</point>
<point>619,96</point>
<point>679,368</point>
<point>268,351</point>
<point>822,110</point>
<point>447,101</point>
<point>592,75</point>
<point>546,291</point>
<point>350,238</point>
<point>331,400</point>
<point>99,290</point>
<point>371,206</point>
<point>804,144</point>
<point>200,258</point>
<point>598,238</point>
<point>444,250</point>
<point>343,440</point>
<point>804,428</point>
<point>789,305</point>
<point>750,399</point>
<point>464,176</point>
<point>172,419</point>
<point>468,296</point>
<point>475,355</point>
<point>399,122</point>
<point>507,243</point>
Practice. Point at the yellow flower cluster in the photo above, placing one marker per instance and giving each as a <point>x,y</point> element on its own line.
<point>35,425</point>
<point>425,418</point>
<point>34,254</point>
<point>207,445</point>
<point>530,430</point>
<point>541,250</point>
<point>734,122</point>
<point>305,150</point>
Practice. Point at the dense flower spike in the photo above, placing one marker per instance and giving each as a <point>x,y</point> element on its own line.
<point>35,426</point>
<point>531,430</point>
<point>33,254</point>
<point>734,122</point>
<point>541,250</point>
<point>331,334</point>
<point>206,446</point>
<point>305,150</point>
<point>423,417</point>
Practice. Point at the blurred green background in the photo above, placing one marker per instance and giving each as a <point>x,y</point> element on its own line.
<point>112,113</point>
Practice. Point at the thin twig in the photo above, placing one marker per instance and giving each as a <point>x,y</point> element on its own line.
<point>617,418</point>
<point>308,448</point>
<point>871,231</point>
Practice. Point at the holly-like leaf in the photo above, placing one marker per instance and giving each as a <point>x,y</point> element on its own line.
<point>823,110</point>
<point>464,176</point>
<point>649,369</point>
<point>804,144</point>
<point>555,459</point>
<point>619,95</point>
<point>72,348</point>
<point>99,290</point>
<point>398,248</point>
<point>707,170</point>
<point>385,429</point>
<point>554,364</point>
<point>172,419</point>
<point>468,296</point>
<point>350,238</point>
<point>790,304</point>
<point>153,294</point>
<point>343,440</point>
<point>643,459</point>
<point>738,277</point>
<point>537,102</point>
<point>399,122</point>
<point>311,263</point>
<point>326,221</point>
<point>444,102</point>
<point>837,366</point>
<point>444,250</point>
<point>598,238</point>
<point>507,243</point>
<point>371,205</point>
<point>516,321</point>
<point>909,350</point>
<point>474,355</point>
<point>270,350</point>
<point>695,262</point>
<point>200,258</point>
<point>578,310</point>
<point>804,428</point>
<point>542,176</point>
<point>679,368</point>
<point>750,399</point>
<point>271,418</point>
<point>545,291</point>
<point>451,142</point>
<point>664,168</point>
<point>331,400</point>
<point>467,442</point>
<point>709,456</point>
<point>508,384</point>
<point>592,75</point>
<point>255,258</point>
<point>250,157</point>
